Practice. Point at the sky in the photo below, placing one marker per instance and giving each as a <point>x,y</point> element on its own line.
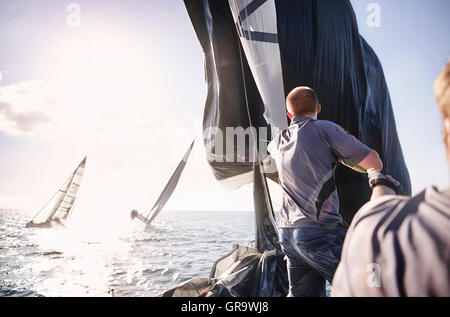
<point>124,84</point>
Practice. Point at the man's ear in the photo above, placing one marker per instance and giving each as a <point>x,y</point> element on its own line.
<point>319,108</point>
<point>447,125</point>
<point>447,137</point>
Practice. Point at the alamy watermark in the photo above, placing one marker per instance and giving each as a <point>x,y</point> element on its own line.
<point>374,277</point>
<point>374,18</point>
<point>238,145</point>
<point>74,18</point>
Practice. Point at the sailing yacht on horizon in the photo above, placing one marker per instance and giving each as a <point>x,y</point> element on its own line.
<point>61,204</point>
<point>166,193</point>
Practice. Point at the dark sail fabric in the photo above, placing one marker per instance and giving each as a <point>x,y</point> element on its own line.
<point>341,67</point>
<point>266,238</point>
<point>312,43</point>
<point>319,46</point>
<point>230,86</point>
<point>244,272</point>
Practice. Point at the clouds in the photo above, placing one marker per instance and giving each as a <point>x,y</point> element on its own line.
<point>21,121</point>
<point>131,142</point>
<point>25,107</point>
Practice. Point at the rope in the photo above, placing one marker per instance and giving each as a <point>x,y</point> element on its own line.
<point>254,137</point>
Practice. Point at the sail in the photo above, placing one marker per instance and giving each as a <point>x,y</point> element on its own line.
<point>170,187</point>
<point>336,61</point>
<point>231,88</point>
<point>256,23</point>
<point>257,51</point>
<point>66,205</point>
<point>61,204</point>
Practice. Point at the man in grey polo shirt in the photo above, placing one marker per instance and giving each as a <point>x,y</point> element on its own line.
<point>311,227</point>
<point>400,246</point>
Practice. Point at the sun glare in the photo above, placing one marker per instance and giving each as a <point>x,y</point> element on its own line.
<point>103,73</point>
<point>106,89</point>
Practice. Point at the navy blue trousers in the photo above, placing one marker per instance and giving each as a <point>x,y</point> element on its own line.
<point>313,253</point>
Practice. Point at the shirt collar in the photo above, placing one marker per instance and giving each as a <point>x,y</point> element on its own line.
<point>299,119</point>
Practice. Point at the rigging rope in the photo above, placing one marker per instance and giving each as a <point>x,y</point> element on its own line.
<point>254,137</point>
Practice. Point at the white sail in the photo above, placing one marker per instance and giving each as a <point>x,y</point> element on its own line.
<point>256,23</point>
<point>61,204</point>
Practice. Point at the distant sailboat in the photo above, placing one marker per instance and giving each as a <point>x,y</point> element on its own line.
<point>61,204</point>
<point>166,193</point>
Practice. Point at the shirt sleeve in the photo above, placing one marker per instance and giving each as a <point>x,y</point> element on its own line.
<point>271,147</point>
<point>343,144</point>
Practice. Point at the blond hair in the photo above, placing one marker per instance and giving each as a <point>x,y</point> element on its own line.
<point>442,91</point>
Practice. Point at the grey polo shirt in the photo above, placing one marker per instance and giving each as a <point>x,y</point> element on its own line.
<point>305,154</point>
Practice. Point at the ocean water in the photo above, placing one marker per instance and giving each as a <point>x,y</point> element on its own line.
<point>92,259</point>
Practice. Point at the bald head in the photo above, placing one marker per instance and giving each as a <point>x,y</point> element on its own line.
<point>302,101</point>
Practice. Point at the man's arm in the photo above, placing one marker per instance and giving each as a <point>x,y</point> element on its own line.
<point>381,190</point>
<point>372,160</point>
<point>351,152</point>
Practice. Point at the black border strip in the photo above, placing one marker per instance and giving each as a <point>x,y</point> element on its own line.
<point>250,8</point>
<point>260,36</point>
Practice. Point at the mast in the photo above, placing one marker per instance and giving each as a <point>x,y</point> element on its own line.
<point>266,238</point>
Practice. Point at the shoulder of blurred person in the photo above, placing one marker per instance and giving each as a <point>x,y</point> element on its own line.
<point>397,246</point>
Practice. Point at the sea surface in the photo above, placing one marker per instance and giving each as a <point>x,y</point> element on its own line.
<point>93,259</point>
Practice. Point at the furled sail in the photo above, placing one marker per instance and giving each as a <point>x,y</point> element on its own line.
<point>61,204</point>
<point>167,191</point>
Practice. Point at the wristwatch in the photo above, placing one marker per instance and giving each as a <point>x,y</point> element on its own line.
<point>377,178</point>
